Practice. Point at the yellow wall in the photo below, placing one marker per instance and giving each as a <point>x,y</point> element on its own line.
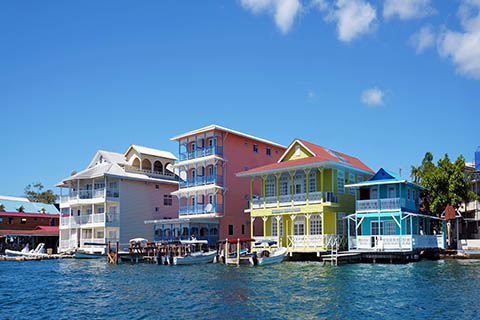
<point>291,155</point>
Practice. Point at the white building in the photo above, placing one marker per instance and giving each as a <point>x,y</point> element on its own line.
<point>114,195</point>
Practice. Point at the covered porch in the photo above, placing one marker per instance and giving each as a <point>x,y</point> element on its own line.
<point>395,231</point>
<point>186,229</point>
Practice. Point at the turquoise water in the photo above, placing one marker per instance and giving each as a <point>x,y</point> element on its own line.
<point>65,289</point>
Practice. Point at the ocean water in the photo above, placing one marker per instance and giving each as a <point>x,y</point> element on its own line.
<point>75,289</point>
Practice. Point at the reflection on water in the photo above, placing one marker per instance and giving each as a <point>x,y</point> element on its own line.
<point>292,290</point>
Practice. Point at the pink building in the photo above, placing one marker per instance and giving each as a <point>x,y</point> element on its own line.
<point>212,199</point>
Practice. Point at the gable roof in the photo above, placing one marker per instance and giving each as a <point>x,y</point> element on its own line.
<point>383,176</point>
<point>112,157</point>
<point>217,127</point>
<point>28,207</point>
<point>319,155</point>
<point>151,152</point>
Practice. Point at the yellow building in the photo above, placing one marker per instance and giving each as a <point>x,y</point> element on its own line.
<point>301,200</point>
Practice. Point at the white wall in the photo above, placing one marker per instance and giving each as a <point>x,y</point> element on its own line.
<point>137,203</point>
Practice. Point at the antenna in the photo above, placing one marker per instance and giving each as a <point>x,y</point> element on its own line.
<point>400,171</point>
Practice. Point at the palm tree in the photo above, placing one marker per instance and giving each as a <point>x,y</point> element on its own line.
<point>415,173</point>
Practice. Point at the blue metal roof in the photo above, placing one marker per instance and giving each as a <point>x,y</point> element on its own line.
<point>385,175</point>
<point>29,207</point>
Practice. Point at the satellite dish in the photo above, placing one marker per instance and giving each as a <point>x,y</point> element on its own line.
<point>183,175</point>
<point>209,207</point>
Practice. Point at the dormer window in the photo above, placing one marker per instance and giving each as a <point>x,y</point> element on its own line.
<point>297,150</point>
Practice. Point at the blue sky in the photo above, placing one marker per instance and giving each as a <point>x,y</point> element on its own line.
<point>385,81</point>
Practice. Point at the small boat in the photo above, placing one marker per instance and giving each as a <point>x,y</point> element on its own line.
<point>38,252</point>
<point>266,257</point>
<point>198,256</point>
<point>79,254</point>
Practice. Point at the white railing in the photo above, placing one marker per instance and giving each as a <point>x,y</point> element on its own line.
<point>472,205</point>
<point>97,218</point>
<point>285,199</point>
<point>89,194</point>
<point>390,204</point>
<point>367,205</point>
<point>165,173</point>
<point>271,201</point>
<point>300,197</point>
<point>469,244</point>
<point>315,197</point>
<point>112,217</point>
<point>319,241</point>
<point>392,242</point>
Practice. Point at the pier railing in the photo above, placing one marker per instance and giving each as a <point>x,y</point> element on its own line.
<point>316,242</point>
<point>396,242</point>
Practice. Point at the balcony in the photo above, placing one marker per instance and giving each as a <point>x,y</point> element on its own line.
<point>200,209</point>
<point>388,204</point>
<point>89,194</point>
<point>396,242</point>
<point>298,199</point>
<point>97,219</point>
<point>165,174</point>
<point>202,180</point>
<point>202,152</point>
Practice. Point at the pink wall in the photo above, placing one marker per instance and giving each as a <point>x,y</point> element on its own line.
<point>239,157</point>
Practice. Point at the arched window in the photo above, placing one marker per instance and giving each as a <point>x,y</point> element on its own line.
<point>210,170</point>
<point>211,198</point>
<point>185,231</point>
<point>157,166</point>
<point>192,174</point>
<point>146,165</point>
<point>136,163</point>
<point>270,186</point>
<point>158,233</point>
<point>194,231</point>
<point>213,231</point>
<point>192,201</point>
<point>203,232</point>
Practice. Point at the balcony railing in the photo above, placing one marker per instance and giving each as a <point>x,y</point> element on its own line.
<point>202,152</point>
<point>97,218</point>
<point>89,194</point>
<point>298,199</point>
<point>165,174</point>
<point>200,209</point>
<point>385,204</point>
<point>396,242</point>
<point>202,180</point>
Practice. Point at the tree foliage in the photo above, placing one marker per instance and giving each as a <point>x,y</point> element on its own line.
<point>34,193</point>
<point>2,208</point>
<point>445,183</point>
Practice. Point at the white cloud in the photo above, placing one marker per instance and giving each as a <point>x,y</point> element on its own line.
<point>320,4</point>
<point>407,9</point>
<point>463,48</point>
<point>283,11</point>
<point>373,97</point>
<point>422,39</point>
<point>353,18</point>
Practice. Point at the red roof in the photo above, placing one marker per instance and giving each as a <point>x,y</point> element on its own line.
<point>321,154</point>
<point>450,212</point>
<point>28,214</point>
<point>39,231</point>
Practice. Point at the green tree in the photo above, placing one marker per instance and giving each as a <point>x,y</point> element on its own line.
<point>21,209</point>
<point>34,193</point>
<point>445,183</point>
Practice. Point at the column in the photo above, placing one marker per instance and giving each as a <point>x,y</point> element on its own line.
<point>400,236</point>
<point>292,188</point>
<point>252,221</point>
<point>265,219</point>
<point>321,183</point>
<point>348,233</point>
<point>307,225</point>
<point>277,188</point>
<point>251,192</point>
<point>278,230</point>
<point>411,233</point>
<point>264,191</point>
<point>308,183</point>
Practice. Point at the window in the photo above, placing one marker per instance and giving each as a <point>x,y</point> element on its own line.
<point>391,192</point>
<point>341,223</point>
<point>276,151</point>
<point>298,188</point>
<point>390,228</point>
<point>274,227</point>
<point>100,210</point>
<point>210,170</point>
<point>316,224</point>
<point>243,229</point>
<point>284,185</point>
<point>297,150</point>
<point>89,211</point>
<point>351,179</point>
<point>409,227</point>
<point>408,193</point>
<point>269,152</point>
<point>413,195</point>
<point>10,220</point>
<point>230,229</point>
<point>192,200</point>
<point>157,209</point>
<point>23,221</point>
<point>375,230</point>
<point>255,148</point>
<point>167,200</point>
<point>192,146</point>
<point>340,181</point>
<point>246,143</point>
<point>374,193</point>
<point>210,198</point>
<point>312,181</point>
<point>299,226</point>
<point>270,186</point>
<point>52,222</point>
<point>210,143</point>
<point>157,186</point>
